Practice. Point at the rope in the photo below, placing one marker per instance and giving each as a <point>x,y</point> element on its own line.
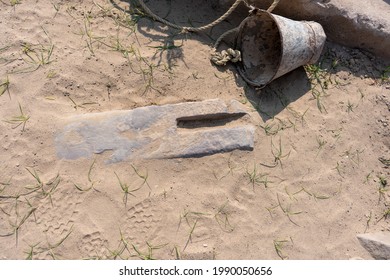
<point>218,58</point>
<point>273,6</point>
<point>189,28</point>
<point>223,57</point>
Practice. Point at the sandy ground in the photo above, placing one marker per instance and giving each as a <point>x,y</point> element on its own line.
<point>317,175</point>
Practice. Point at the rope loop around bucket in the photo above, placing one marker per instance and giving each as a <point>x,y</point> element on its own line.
<point>218,58</point>
<point>223,57</point>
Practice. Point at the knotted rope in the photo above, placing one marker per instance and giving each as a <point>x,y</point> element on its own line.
<point>223,57</point>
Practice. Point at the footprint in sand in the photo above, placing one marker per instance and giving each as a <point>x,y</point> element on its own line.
<point>94,246</point>
<point>143,222</point>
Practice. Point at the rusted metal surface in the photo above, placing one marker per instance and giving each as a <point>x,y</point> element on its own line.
<point>272,46</point>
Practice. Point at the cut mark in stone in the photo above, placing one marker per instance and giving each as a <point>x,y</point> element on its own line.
<point>156,132</point>
<point>200,121</point>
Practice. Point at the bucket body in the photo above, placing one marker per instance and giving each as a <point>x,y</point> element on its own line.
<point>272,46</point>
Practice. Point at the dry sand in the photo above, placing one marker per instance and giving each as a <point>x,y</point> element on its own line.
<point>329,185</point>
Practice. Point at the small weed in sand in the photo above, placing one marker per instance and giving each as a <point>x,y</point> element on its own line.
<point>321,143</point>
<point>339,169</point>
<point>385,215</point>
<point>278,245</point>
<point>297,115</point>
<point>177,252</point>
<point>350,107</point>
<point>51,74</point>
<point>196,76</point>
<point>318,95</point>
<point>190,234</point>
<point>14,2</point>
<point>286,210</point>
<point>382,187</point>
<point>253,176</point>
<point>223,78</point>
<point>222,218</point>
<point>189,216</point>
<point>45,190</point>
<point>4,87</point>
<point>31,252</point>
<point>121,18</point>
<point>385,76</point>
<point>56,7</point>
<point>122,247</point>
<point>4,184</point>
<point>18,223</point>
<point>5,60</point>
<point>256,178</point>
<point>126,189</point>
<point>368,177</point>
<point>144,177</point>
<point>136,11</point>
<point>362,95</point>
<point>319,78</point>
<point>384,161</point>
<point>91,183</point>
<point>369,217</point>
<point>231,168</point>
<point>118,46</point>
<point>277,152</point>
<point>37,55</point>
<point>149,254</point>
<point>191,219</point>
<point>353,156</point>
<point>148,76</point>
<point>336,133</point>
<point>19,120</point>
<point>82,105</point>
<point>316,196</point>
<point>292,195</point>
<point>87,34</point>
<point>48,248</point>
<point>144,68</point>
<point>168,45</point>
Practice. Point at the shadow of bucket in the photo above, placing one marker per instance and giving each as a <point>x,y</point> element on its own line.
<point>272,46</point>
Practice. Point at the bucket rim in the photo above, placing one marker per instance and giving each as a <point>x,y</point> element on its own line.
<point>238,46</point>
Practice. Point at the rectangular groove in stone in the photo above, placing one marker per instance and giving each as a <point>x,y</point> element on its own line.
<point>210,120</point>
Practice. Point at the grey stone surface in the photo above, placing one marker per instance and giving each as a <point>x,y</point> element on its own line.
<point>190,129</point>
<point>377,244</point>
<point>354,23</point>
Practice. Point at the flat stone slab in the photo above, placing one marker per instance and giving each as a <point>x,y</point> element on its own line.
<point>377,244</point>
<point>190,129</point>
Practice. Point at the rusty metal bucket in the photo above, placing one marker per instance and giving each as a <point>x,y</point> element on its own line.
<point>272,46</point>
